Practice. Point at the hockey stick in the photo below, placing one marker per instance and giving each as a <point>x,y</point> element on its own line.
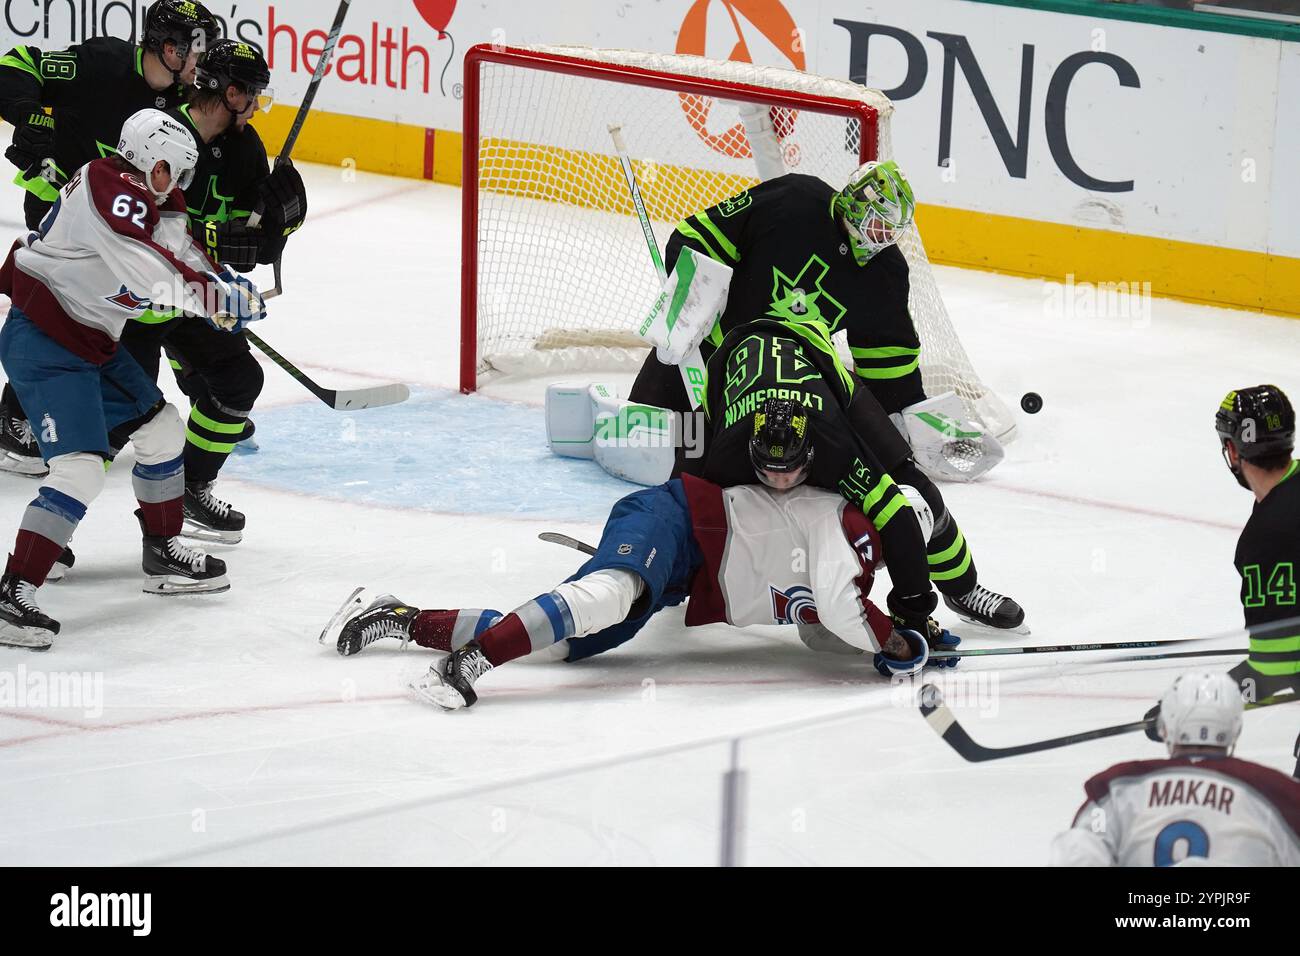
<point>1076,648</point>
<point>692,367</point>
<point>554,537</point>
<point>345,399</point>
<point>341,400</point>
<point>944,722</point>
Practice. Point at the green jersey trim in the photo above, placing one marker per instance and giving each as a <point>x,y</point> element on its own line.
<point>26,63</point>
<point>723,241</point>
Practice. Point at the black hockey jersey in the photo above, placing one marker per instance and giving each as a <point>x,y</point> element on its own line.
<point>91,88</point>
<point>1267,558</point>
<point>792,262</point>
<point>225,184</point>
<point>795,360</point>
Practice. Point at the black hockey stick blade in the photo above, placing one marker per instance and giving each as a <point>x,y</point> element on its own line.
<point>554,537</point>
<point>341,400</point>
<point>944,722</point>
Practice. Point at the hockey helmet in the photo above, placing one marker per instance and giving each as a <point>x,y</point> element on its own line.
<point>875,207</point>
<point>150,136</point>
<point>230,63</point>
<point>781,449</point>
<point>1201,709</point>
<point>1257,422</point>
<point>183,22</point>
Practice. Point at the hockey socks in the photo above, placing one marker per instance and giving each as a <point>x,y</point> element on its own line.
<point>450,630</point>
<point>210,436</point>
<point>530,627</point>
<point>46,529</point>
<point>952,568</point>
<point>160,490</point>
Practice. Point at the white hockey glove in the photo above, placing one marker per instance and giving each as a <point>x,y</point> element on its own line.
<point>946,445</point>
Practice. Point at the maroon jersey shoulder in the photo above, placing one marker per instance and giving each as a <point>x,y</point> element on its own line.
<point>1275,787</point>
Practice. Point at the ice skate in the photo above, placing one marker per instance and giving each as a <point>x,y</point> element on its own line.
<point>22,623</point>
<point>172,567</point>
<point>450,682</point>
<point>988,609</point>
<point>19,453</point>
<point>362,625</point>
<point>208,518</point>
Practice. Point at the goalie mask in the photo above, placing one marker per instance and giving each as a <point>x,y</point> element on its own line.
<point>874,208</point>
<point>1257,422</point>
<point>781,449</point>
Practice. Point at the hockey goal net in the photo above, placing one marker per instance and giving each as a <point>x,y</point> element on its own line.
<point>556,272</point>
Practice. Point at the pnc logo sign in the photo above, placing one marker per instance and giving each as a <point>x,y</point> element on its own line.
<point>734,18</point>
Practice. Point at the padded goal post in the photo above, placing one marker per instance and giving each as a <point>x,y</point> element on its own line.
<point>555,272</point>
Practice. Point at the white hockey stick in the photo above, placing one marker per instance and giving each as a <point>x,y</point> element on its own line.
<point>691,367</point>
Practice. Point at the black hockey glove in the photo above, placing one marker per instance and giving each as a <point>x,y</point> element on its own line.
<point>233,244</point>
<point>284,201</point>
<point>33,141</point>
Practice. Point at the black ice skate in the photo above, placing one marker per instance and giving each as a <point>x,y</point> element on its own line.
<point>171,567</point>
<point>208,518</point>
<point>62,565</point>
<point>22,623</point>
<point>386,616</point>
<point>19,453</point>
<point>450,682</point>
<point>981,606</point>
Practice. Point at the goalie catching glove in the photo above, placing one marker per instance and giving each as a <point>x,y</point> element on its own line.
<point>945,443</point>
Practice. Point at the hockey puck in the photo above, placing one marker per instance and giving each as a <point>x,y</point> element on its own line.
<point>1031,402</point>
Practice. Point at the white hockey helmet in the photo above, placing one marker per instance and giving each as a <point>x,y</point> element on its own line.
<point>921,507</point>
<point>151,135</point>
<point>1201,709</point>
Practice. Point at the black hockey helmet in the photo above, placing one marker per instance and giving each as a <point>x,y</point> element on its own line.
<point>231,63</point>
<point>781,448</point>
<point>183,22</point>
<point>1258,422</point>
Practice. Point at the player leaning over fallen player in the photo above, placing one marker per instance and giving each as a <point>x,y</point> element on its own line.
<point>232,179</point>
<point>849,445</point>
<point>798,250</point>
<point>116,240</point>
<point>1199,805</point>
<point>733,552</point>
<point>89,89</point>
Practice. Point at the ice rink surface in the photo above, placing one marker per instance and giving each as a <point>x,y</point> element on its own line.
<point>222,732</point>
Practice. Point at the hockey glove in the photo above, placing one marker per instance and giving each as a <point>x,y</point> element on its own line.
<point>233,244</point>
<point>239,303</point>
<point>33,141</point>
<point>284,200</point>
<point>893,666</point>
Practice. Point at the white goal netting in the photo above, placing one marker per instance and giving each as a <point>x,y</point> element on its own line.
<point>562,271</point>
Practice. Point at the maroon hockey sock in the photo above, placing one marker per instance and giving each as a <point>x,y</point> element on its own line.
<point>33,557</point>
<point>505,640</point>
<point>163,518</point>
<point>448,630</point>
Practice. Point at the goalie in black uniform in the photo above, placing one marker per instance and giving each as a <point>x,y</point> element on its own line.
<point>798,251</point>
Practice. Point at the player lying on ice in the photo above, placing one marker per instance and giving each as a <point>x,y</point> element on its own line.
<point>785,554</point>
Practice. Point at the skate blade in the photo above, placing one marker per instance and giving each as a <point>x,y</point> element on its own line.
<point>355,602</point>
<point>430,688</point>
<point>197,532</point>
<point>32,638</point>
<point>1021,631</point>
<point>168,585</point>
<point>27,467</point>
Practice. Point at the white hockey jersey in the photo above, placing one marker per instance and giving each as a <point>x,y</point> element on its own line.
<point>1185,811</point>
<point>800,556</point>
<point>108,252</point>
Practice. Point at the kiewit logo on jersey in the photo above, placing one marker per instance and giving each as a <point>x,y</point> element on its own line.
<point>75,908</point>
<point>794,605</point>
<point>49,430</point>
